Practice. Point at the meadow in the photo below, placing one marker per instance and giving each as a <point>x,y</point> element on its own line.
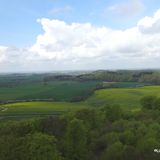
<point>127,98</point>
<point>32,109</point>
<point>55,90</point>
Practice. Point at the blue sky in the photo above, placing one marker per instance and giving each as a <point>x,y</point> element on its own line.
<point>72,34</point>
<point>18,17</point>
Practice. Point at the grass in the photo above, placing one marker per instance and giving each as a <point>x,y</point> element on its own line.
<point>56,90</point>
<point>38,108</point>
<point>128,98</point>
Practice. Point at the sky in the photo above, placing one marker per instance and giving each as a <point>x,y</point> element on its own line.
<point>48,35</point>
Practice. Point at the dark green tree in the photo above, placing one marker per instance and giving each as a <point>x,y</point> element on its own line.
<point>76,140</point>
<point>156,104</point>
<point>146,147</point>
<point>130,153</point>
<point>114,152</point>
<point>41,147</point>
<point>148,102</point>
<point>113,113</point>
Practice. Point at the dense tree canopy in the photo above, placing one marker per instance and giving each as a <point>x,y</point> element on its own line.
<point>107,133</point>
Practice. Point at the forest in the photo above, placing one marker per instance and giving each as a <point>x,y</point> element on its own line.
<point>107,133</point>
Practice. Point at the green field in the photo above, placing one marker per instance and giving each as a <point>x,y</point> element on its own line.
<point>38,108</point>
<point>128,98</point>
<point>56,90</point>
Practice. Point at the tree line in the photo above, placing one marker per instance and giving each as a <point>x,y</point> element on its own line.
<point>144,76</point>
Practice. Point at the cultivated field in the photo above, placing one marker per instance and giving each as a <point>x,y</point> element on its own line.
<point>128,98</point>
<point>56,90</point>
<point>38,108</point>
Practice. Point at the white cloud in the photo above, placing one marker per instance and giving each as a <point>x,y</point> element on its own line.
<point>84,46</point>
<point>150,25</point>
<point>127,8</point>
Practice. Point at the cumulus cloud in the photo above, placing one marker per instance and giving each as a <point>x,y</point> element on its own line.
<point>128,8</point>
<point>85,46</point>
<point>150,25</point>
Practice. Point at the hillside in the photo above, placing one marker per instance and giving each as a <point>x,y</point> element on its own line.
<point>128,98</point>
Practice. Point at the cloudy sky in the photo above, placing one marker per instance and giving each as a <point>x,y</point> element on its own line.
<point>48,35</point>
